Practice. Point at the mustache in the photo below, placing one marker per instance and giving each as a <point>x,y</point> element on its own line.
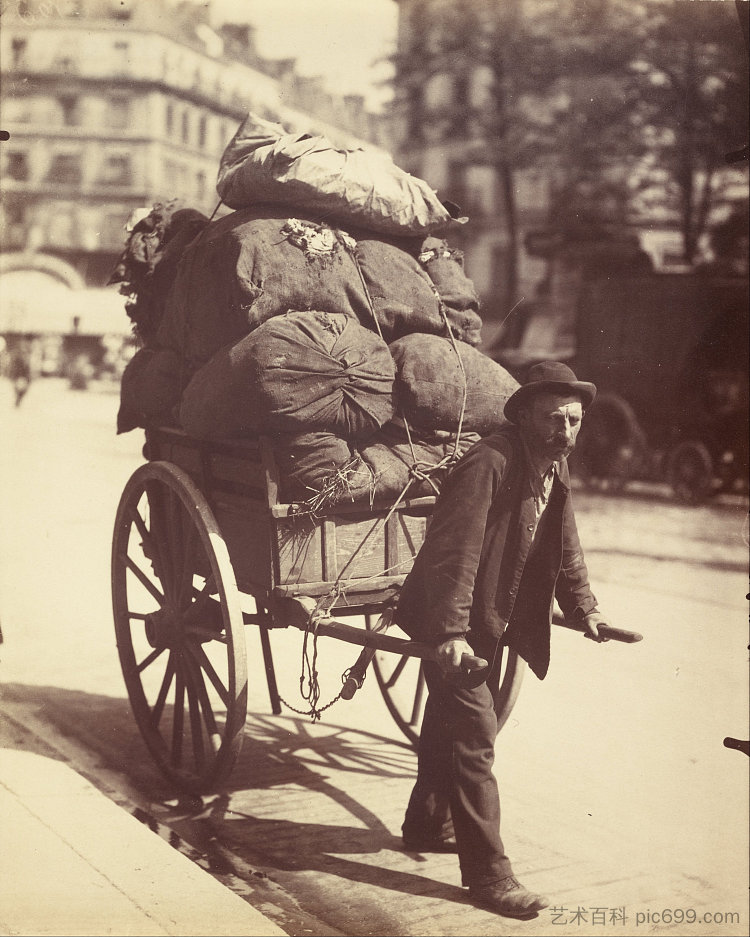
<point>562,446</point>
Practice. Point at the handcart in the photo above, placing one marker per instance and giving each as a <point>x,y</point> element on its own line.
<point>203,546</point>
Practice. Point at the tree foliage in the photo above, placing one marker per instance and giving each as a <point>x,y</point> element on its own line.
<point>631,105</point>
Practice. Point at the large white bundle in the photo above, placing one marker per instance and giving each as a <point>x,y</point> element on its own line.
<point>263,163</point>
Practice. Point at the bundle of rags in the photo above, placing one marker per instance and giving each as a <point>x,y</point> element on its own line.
<point>305,371</point>
<point>257,263</point>
<point>147,266</point>
<point>358,187</point>
<point>155,377</point>
<point>329,313</point>
<point>350,419</point>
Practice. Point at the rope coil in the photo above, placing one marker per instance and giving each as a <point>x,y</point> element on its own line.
<point>419,470</point>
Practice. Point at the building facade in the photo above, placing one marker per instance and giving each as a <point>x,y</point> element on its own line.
<point>113,106</point>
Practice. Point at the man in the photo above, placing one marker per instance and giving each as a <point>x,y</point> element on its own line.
<point>19,370</point>
<point>501,547</point>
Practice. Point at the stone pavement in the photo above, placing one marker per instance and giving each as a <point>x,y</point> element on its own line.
<point>72,862</point>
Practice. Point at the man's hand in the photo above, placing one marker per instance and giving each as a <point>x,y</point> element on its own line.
<point>592,622</point>
<point>448,655</point>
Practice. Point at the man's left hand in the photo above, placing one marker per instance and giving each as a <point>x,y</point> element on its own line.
<point>592,621</point>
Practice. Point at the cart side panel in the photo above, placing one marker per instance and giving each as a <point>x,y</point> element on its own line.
<point>299,547</point>
<point>351,551</point>
<point>354,552</point>
<point>246,528</point>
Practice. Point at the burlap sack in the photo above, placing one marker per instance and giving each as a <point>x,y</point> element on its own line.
<point>322,470</point>
<point>300,372</point>
<point>318,468</point>
<point>150,390</point>
<point>445,267</point>
<point>216,403</point>
<point>147,268</point>
<point>402,296</point>
<point>411,465</point>
<point>258,263</point>
<point>431,375</point>
<point>253,265</point>
<point>362,186</point>
<point>320,371</point>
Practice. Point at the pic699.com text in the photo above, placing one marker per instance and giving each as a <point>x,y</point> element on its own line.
<point>686,916</point>
<point>619,916</point>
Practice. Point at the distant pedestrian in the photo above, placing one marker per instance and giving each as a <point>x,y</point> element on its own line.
<point>19,370</point>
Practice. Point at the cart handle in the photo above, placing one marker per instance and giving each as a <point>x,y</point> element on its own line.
<point>605,631</point>
<point>355,676</point>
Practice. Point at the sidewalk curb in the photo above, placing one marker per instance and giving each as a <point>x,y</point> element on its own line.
<point>73,862</point>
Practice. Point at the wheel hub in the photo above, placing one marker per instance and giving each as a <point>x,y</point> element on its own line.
<point>165,628</point>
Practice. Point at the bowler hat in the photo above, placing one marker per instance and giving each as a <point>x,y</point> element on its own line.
<point>548,377</point>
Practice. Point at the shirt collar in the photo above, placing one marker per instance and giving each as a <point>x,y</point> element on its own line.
<point>538,470</point>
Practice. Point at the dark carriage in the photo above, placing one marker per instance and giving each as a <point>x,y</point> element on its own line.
<point>669,355</point>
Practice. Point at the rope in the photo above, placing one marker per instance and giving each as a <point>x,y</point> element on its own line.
<point>462,413</point>
<point>353,252</point>
<point>419,471</point>
<point>309,685</point>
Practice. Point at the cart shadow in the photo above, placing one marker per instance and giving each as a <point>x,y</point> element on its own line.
<point>303,766</point>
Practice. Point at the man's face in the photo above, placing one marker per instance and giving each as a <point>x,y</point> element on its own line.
<point>550,425</point>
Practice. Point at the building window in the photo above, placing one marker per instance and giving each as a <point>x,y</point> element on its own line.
<point>12,219</point>
<point>15,213</point>
<point>500,257</point>
<point>172,172</point>
<point>18,167</point>
<point>18,52</point>
<point>415,113</point>
<point>118,112</point>
<point>202,131</point>
<point>185,127</point>
<point>71,110</point>
<point>170,120</point>
<point>461,90</point>
<point>121,55</point>
<point>116,170</point>
<point>65,169</point>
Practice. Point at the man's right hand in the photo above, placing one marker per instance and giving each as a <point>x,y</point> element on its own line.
<point>448,655</point>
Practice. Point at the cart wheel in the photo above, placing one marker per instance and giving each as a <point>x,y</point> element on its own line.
<point>690,471</point>
<point>179,627</point>
<point>612,446</point>
<point>404,688</point>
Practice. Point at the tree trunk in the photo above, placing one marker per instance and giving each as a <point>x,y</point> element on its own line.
<point>505,177</point>
<point>687,159</point>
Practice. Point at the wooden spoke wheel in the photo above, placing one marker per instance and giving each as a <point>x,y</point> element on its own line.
<point>402,683</point>
<point>179,628</point>
<point>611,448</point>
<point>690,470</point>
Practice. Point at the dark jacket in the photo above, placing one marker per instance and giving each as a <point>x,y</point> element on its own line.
<point>477,571</point>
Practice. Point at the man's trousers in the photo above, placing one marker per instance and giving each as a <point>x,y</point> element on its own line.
<point>455,781</point>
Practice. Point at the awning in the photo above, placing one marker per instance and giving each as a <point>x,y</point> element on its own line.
<point>34,303</point>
